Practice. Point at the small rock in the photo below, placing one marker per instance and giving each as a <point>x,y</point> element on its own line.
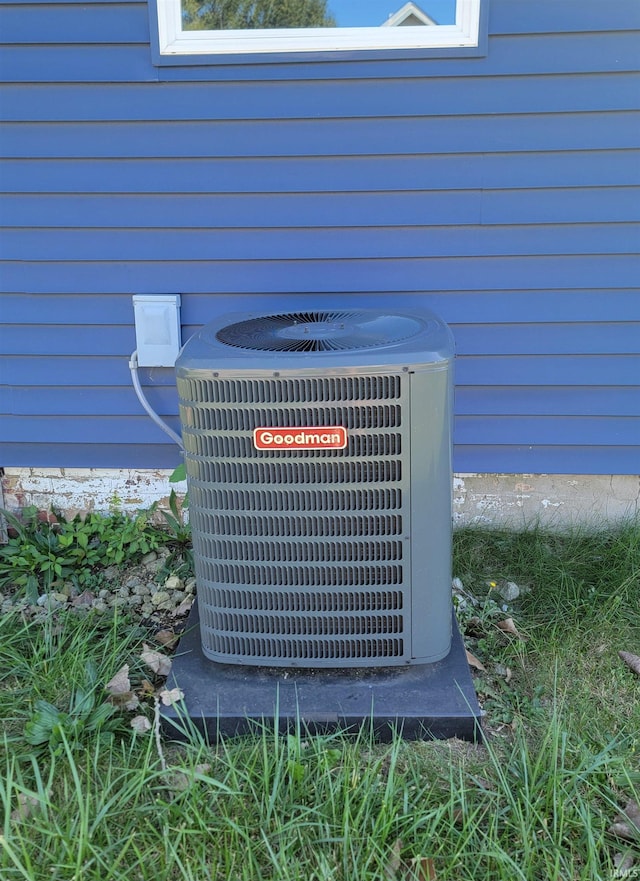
<point>457,584</point>
<point>85,598</point>
<point>61,598</point>
<point>190,585</point>
<point>509,591</point>
<point>173,583</point>
<point>99,605</point>
<point>177,596</point>
<point>153,567</point>
<point>132,582</point>
<point>48,601</point>
<point>135,600</point>
<point>151,557</point>
<point>104,594</point>
<point>110,573</point>
<point>160,598</point>
<point>123,591</point>
<point>141,590</point>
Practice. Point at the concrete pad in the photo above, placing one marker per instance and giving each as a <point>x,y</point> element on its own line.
<point>431,701</point>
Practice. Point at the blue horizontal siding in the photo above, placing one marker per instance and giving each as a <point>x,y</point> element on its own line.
<point>264,211</point>
<point>478,307</point>
<point>547,430</point>
<point>578,370</point>
<point>471,339</point>
<point>580,168</point>
<point>502,191</point>
<point>608,130</point>
<point>538,459</point>
<point>97,430</point>
<point>545,400</point>
<point>327,100</point>
<point>319,243</point>
<point>438,273</point>
<point>508,17</point>
<point>85,401</point>
<point>75,23</point>
<point>75,455</point>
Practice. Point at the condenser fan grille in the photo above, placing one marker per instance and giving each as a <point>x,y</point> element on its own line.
<point>324,331</point>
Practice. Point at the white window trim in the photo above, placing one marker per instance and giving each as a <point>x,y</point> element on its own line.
<point>175,41</point>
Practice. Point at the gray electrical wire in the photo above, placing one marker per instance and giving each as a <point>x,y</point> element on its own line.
<point>133,367</point>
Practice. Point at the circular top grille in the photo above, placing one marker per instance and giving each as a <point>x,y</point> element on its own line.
<point>320,331</point>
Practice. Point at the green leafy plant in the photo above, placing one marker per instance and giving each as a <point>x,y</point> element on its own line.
<point>178,475</point>
<point>83,719</point>
<point>179,528</point>
<point>43,550</point>
<point>180,560</point>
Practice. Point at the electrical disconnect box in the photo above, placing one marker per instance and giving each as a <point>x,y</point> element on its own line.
<point>157,318</point>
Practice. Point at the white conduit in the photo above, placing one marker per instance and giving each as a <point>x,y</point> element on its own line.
<point>133,367</point>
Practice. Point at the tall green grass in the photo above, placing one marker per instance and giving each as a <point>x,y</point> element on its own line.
<point>534,801</point>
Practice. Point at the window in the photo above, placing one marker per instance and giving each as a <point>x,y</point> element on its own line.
<point>182,26</point>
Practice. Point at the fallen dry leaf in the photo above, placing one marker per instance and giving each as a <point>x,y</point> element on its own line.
<point>181,780</point>
<point>474,662</point>
<point>166,637</point>
<point>156,661</point>
<point>120,682</point>
<point>26,805</point>
<point>507,626</point>
<point>422,869</point>
<point>394,862</point>
<point>627,823</point>
<point>140,724</point>
<point>505,672</point>
<point>183,608</point>
<point>623,863</point>
<point>127,701</point>
<point>146,688</point>
<point>632,661</point>
<point>171,696</point>
<point>120,693</point>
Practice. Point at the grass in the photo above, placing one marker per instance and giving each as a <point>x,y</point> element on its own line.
<point>535,801</point>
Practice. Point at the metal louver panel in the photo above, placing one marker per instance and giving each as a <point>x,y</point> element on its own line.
<point>302,557</point>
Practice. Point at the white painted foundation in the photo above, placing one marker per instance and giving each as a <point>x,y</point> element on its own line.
<point>78,490</point>
<point>511,500</point>
<point>554,500</point>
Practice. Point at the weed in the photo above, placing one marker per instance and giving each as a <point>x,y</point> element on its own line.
<point>45,551</point>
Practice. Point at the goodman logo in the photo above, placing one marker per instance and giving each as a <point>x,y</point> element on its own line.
<point>332,437</point>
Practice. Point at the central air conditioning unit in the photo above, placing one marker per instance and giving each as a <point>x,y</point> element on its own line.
<point>318,454</point>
